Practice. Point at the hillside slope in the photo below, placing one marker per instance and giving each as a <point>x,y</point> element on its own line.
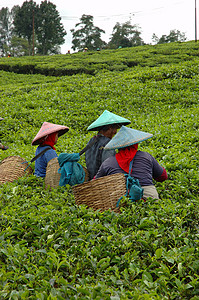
<point>50,248</point>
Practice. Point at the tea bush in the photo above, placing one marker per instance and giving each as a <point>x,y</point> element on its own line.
<point>50,248</point>
<point>92,62</point>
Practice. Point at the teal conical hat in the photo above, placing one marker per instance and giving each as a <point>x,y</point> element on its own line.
<point>107,118</point>
<point>127,137</point>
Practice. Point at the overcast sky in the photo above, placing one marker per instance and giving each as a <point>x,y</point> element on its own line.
<point>152,16</point>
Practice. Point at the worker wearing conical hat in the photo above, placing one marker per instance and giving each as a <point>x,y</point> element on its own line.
<point>145,167</point>
<point>106,125</point>
<point>47,136</point>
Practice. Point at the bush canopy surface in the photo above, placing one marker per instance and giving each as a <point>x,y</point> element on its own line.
<point>50,248</point>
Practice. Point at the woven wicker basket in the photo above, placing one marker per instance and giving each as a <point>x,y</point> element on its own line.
<point>52,176</point>
<point>102,193</point>
<point>12,168</point>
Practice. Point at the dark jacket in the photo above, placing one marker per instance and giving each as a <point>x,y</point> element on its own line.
<point>96,155</point>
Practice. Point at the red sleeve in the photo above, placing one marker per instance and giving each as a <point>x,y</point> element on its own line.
<point>163,177</point>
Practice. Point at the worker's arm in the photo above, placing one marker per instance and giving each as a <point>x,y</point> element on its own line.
<point>3,147</point>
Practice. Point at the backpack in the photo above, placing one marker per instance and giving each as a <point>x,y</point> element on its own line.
<point>133,188</point>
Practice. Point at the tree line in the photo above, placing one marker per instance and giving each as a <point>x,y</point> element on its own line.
<point>37,29</point>
<point>31,29</point>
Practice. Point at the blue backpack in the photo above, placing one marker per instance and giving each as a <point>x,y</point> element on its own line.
<point>133,188</point>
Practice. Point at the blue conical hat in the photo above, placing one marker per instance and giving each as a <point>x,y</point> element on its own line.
<point>127,137</point>
<point>107,118</point>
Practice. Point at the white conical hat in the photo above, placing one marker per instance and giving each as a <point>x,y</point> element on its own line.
<point>127,137</point>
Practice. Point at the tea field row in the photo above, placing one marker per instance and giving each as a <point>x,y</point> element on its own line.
<point>50,248</point>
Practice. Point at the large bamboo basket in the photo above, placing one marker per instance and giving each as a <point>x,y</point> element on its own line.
<point>52,176</point>
<point>102,193</point>
<point>12,168</point>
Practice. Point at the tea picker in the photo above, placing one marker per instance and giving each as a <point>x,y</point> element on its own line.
<point>46,139</point>
<point>71,171</point>
<point>106,125</point>
<point>136,164</point>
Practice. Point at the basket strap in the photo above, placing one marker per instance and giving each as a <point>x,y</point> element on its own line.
<point>34,158</point>
<point>130,166</point>
<point>88,146</point>
<point>40,154</point>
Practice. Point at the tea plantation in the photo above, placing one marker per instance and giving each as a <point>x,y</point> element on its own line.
<point>50,248</point>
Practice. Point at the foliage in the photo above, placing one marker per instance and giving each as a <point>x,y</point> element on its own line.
<point>50,248</point>
<point>24,21</point>
<point>92,62</point>
<point>42,20</point>
<point>18,46</point>
<point>6,29</point>
<point>4,32</point>
<point>87,35</point>
<point>174,36</point>
<point>125,35</point>
<point>49,30</point>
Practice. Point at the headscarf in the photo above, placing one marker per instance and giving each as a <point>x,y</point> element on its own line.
<point>50,140</point>
<point>125,156</point>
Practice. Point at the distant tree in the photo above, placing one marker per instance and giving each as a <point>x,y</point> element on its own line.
<point>49,29</point>
<point>124,43</point>
<point>87,35</point>
<point>174,36</point>
<point>23,21</point>
<point>155,38</point>
<point>136,39</point>
<point>18,46</point>
<point>5,30</point>
<point>162,39</point>
<point>125,35</point>
<point>43,22</point>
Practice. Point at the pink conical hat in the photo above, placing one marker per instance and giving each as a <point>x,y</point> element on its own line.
<point>46,129</point>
